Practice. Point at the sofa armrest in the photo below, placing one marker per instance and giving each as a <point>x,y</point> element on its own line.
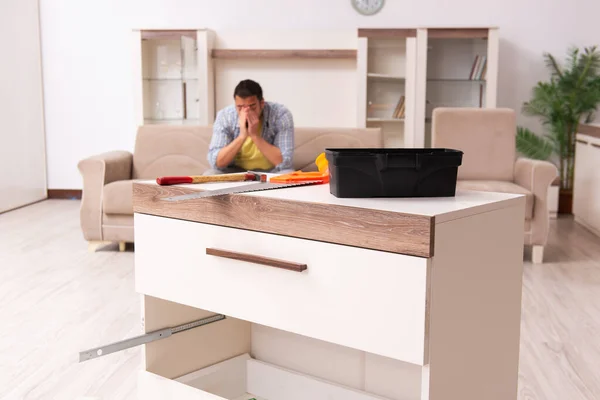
<point>537,176</point>
<point>97,171</point>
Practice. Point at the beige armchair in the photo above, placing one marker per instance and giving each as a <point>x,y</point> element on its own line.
<point>106,214</point>
<point>487,138</point>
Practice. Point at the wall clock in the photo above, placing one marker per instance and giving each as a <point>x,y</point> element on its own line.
<point>368,7</point>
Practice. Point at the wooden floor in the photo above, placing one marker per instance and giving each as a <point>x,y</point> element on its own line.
<point>56,299</point>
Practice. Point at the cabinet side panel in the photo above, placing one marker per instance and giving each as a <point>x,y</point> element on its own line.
<point>410,92</point>
<point>476,307</point>
<point>492,68</point>
<point>420,89</point>
<point>586,188</point>
<point>137,74</point>
<point>194,349</point>
<point>206,89</point>
<point>362,55</point>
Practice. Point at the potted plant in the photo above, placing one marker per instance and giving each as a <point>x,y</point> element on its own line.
<point>571,96</point>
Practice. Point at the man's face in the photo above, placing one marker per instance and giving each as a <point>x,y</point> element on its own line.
<point>251,104</point>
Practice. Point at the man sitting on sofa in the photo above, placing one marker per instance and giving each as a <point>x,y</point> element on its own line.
<point>252,134</point>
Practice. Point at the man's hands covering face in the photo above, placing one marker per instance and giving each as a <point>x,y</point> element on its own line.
<point>243,121</point>
<point>253,123</point>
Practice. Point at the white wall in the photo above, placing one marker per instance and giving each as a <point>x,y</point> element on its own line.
<point>87,62</point>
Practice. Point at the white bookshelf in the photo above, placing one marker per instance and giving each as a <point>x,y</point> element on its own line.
<point>327,78</point>
<point>386,82</point>
<point>457,68</point>
<point>172,79</point>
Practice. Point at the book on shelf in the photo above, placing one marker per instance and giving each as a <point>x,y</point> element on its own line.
<point>479,68</point>
<point>400,108</point>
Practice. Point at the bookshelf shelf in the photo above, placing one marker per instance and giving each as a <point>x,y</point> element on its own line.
<point>373,75</point>
<point>385,119</point>
<point>279,54</point>
<point>455,80</point>
<point>170,79</point>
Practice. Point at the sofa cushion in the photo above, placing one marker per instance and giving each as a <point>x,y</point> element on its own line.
<point>162,150</point>
<point>181,150</point>
<point>117,197</point>
<point>500,186</point>
<point>310,142</point>
<point>485,135</point>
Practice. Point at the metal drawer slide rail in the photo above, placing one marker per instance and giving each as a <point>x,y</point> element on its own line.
<point>146,338</point>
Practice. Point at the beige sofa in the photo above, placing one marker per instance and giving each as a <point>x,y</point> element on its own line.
<point>487,138</point>
<point>106,209</point>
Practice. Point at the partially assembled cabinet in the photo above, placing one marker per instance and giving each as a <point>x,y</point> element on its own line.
<point>316,297</point>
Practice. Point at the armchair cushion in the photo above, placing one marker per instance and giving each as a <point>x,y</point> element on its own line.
<point>170,150</point>
<point>503,187</point>
<point>536,176</point>
<point>485,135</point>
<point>118,197</point>
<point>97,171</point>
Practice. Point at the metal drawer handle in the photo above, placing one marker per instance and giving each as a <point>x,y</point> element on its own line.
<point>595,145</point>
<point>581,141</point>
<point>271,262</point>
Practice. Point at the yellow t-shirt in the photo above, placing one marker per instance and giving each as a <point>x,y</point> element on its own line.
<point>249,157</point>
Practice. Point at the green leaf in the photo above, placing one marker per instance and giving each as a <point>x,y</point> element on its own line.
<point>552,65</point>
<point>533,146</point>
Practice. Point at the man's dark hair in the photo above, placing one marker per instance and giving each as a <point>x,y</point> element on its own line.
<point>248,88</point>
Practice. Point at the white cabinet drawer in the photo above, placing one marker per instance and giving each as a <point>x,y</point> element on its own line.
<point>243,378</point>
<point>368,300</point>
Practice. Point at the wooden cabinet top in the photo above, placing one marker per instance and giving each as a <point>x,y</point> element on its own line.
<point>399,225</point>
<point>590,130</point>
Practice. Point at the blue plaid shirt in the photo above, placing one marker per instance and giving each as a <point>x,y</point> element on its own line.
<point>278,130</point>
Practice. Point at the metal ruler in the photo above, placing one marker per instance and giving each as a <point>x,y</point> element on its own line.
<point>253,187</point>
<point>146,338</point>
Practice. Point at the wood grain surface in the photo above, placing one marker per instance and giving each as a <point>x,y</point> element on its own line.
<point>387,33</point>
<point>373,229</point>
<point>167,34</point>
<point>278,54</point>
<point>457,33</point>
<point>591,130</point>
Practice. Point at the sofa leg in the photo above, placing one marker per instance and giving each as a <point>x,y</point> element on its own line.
<point>94,245</point>
<point>537,254</point>
<point>122,246</point>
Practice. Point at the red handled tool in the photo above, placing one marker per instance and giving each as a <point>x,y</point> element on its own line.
<point>243,177</point>
<point>297,178</point>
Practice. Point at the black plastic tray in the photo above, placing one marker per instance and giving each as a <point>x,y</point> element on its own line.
<point>393,172</point>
